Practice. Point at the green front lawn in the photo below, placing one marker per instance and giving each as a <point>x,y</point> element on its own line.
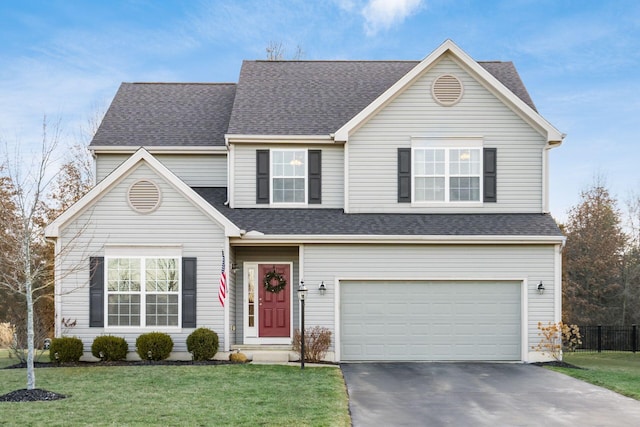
<point>182,395</point>
<point>619,372</point>
<point>7,359</point>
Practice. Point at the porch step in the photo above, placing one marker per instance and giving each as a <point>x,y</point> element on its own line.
<point>270,357</point>
<point>266,353</point>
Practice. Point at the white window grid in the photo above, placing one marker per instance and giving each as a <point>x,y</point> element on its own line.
<point>159,292</point>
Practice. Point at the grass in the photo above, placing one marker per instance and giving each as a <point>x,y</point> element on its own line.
<point>7,360</point>
<point>182,395</point>
<point>619,372</point>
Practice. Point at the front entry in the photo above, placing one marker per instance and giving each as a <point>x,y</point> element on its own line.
<point>267,303</point>
<point>273,300</point>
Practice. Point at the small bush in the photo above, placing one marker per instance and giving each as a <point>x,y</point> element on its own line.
<point>109,348</point>
<point>554,335</point>
<point>154,346</point>
<point>66,350</point>
<point>238,357</point>
<point>202,344</point>
<point>316,343</point>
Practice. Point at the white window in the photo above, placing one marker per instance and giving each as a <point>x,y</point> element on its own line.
<point>143,291</point>
<point>447,174</point>
<point>288,176</point>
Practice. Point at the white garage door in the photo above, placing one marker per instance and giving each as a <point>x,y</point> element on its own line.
<point>439,320</point>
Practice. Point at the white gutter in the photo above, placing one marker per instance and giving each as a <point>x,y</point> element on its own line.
<point>280,139</point>
<point>122,149</point>
<point>257,238</point>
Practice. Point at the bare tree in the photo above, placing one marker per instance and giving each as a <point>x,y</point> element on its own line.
<point>74,179</point>
<point>276,50</point>
<point>26,272</point>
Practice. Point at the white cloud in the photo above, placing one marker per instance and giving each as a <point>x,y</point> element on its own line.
<point>383,14</point>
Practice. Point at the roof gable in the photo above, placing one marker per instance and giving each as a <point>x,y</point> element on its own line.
<point>167,114</point>
<point>104,186</point>
<point>510,90</point>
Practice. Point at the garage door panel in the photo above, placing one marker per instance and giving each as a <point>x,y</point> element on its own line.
<point>430,321</point>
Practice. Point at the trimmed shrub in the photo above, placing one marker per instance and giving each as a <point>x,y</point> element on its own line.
<point>154,346</point>
<point>66,350</point>
<point>109,348</point>
<point>238,357</point>
<point>316,343</point>
<point>202,344</point>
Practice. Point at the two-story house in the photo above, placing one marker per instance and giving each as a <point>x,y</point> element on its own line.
<point>411,197</point>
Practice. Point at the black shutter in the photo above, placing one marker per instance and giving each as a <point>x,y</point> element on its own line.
<point>96,292</point>
<point>262,176</point>
<point>315,176</point>
<point>404,175</point>
<point>490,175</point>
<point>189,272</point>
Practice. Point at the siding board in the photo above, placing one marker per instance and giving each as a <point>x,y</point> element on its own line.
<point>111,221</point>
<point>373,169</point>
<point>196,170</point>
<point>244,185</point>
<point>429,262</point>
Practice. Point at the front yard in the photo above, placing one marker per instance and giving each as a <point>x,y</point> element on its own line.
<point>619,372</point>
<point>181,395</point>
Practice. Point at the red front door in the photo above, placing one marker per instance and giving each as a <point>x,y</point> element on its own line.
<point>274,316</point>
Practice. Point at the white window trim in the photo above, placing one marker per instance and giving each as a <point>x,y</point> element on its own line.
<point>306,178</point>
<point>446,144</point>
<point>127,252</point>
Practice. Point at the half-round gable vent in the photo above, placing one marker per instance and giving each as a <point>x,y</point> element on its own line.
<point>144,196</point>
<point>447,90</point>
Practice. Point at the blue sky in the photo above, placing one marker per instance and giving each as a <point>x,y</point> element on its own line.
<point>580,60</point>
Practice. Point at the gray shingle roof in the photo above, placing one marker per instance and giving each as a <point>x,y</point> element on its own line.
<point>507,74</point>
<point>271,98</point>
<point>336,222</point>
<point>318,97</point>
<point>167,114</point>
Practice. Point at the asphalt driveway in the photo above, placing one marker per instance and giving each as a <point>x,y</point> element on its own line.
<point>479,394</point>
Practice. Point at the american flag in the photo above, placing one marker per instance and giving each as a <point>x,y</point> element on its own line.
<point>222,290</point>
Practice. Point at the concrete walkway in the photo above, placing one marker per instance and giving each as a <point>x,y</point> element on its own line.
<point>479,394</point>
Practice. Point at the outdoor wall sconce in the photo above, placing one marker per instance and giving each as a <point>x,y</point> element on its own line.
<point>322,288</point>
<point>540,288</point>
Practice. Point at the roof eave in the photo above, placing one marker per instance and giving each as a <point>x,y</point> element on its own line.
<point>154,149</point>
<point>254,237</point>
<point>284,139</point>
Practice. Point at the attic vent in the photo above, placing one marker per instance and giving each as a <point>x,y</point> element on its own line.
<point>447,90</point>
<point>144,196</point>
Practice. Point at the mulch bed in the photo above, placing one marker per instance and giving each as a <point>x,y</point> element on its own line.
<point>558,364</point>
<point>35,395</point>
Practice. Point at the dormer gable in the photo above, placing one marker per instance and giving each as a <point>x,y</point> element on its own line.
<point>501,80</point>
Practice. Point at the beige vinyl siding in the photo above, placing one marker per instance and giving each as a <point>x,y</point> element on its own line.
<point>263,254</point>
<point>244,181</point>
<point>110,221</point>
<point>429,262</point>
<point>196,170</point>
<point>372,179</point>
